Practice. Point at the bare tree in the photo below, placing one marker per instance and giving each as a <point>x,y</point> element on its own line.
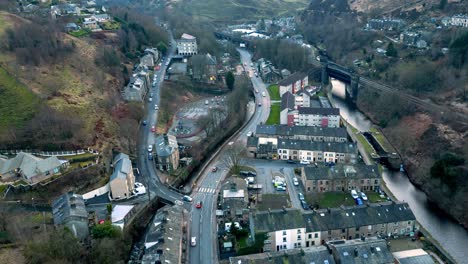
<point>233,159</point>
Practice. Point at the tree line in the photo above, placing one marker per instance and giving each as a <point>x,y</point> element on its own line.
<point>282,53</point>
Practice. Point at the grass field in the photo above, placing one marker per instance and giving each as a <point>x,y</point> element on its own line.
<point>273,90</point>
<point>241,10</point>
<point>274,117</point>
<point>18,103</point>
<point>336,199</point>
<point>79,33</point>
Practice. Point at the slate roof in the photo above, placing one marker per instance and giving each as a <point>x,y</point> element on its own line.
<point>70,210</point>
<point>318,111</point>
<point>370,251</point>
<point>337,147</point>
<point>29,165</point>
<point>252,141</point>
<point>291,131</point>
<point>292,78</point>
<point>316,255</point>
<point>122,168</point>
<point>165,148</point>
<point>355,171</point>
<point>287,101</point>
<point>332,219</point>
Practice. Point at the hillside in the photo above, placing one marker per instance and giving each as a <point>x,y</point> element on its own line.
<point>61,101</point>
<point>239,10</point>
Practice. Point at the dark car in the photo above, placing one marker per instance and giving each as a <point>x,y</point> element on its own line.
<point>359,201</point>
<point>144,122</point>
<point>291,161</point>
<point>252,173</point>
<point>150,156</point>
<point>244,173</point>
<point>304,205</point>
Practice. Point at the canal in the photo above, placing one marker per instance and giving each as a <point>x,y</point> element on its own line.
<point>449,234</point>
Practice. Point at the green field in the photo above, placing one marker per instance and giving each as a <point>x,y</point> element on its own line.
<point>79,33</point>
<point>241,9</point>
<point>18,103</point>
<point>274,117</point>
<point>273,90</point>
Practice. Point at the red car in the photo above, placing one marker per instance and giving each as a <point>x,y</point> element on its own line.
<point>199,205</point>
<point>153,129</point>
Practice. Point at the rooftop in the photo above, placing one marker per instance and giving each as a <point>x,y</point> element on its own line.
<point>337,147</point>
<point>165,145</point>
<point>122,167</point>
<point>339,171</point>
<point>287,101</point>
<point>292,78</point>
<point>70,210</point>
<point>29,165</point>
<point>369,251</point>
<point>291,131</point>
<point>316,255</point>
<point>318,111</point>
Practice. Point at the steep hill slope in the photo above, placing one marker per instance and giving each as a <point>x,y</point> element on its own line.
<point>64,102</point>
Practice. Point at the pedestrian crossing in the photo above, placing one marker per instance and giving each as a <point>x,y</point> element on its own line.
<point>206,190</point>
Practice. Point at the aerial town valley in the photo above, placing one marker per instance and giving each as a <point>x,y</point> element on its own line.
<point>234,132</point>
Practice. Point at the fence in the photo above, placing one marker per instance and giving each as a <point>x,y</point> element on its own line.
<point>48,153</point>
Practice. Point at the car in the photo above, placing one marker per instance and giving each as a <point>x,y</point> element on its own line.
<point>151,94</point>
<point>156,107</point>
<point>256,90</point>
<point>150,148</point>
<point>354,194</point>
<point>187,198</point>
<point>193,241</point>
<point>304,205</point>
<point>305,162</point>
<point>153,129</point>
<point>363,196</point>
<point>259,104</point>
<point>199,205</point>
<point>244,173</point>
<point>359,201</point>
<point>301,196</point>
<point>280,188</point>
<point>295,181</point>
<point>150,156</point>
<point>249,134</point>
<point>150,99</point>
<point>138,184</point>
<point>144,122</point>
<point>214,169</point>
<point>263,94</point>
<point>231,143</point>
<point>252,173</point>
<point>291,161</point>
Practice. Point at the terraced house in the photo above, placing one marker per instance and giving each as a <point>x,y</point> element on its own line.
<point>341,178</point>
<point>316,134</point>
<point>293,228</point>
<point>290,149</point>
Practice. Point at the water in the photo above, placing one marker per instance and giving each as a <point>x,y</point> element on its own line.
<point>448,233</point>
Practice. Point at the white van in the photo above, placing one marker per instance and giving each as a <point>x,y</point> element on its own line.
<point>193,241</point>
<point>206,102</point>
<point>263,94</point>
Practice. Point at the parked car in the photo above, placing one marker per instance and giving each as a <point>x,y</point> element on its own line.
<point>244,173</point>
<point>263,94</point>
<point>214,169</point>
<point>252,173</point>
<point>259,104</point>
<point>359,201</point>
<point>256,90</point>
<point>363,196</point>
<point>150,156</point>
<point>153,129</point>
<point>305,162</point>
<point>291,161</point>
<point>301,196</point>
<point>193,241</point>
<point>304,205</point>
<point>199,205</point>
<point>150,99</point>
<point>249,134</point>
<point>156,107</point>
<point>280,188</point>
<point>187,198</point>
<point>354,194</point>
<point>144,122</point>
<point>150,148</point>
<point>295,181</point>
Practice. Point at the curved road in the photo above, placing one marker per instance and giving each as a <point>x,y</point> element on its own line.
<point>203,221</point>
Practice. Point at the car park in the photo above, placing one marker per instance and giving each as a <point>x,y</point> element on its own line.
<point>150,148</point>
<point>295,181</point>
<point>354,194</point>
<point>187,198</point>
<point>363,196</point>
<point>301,196</point>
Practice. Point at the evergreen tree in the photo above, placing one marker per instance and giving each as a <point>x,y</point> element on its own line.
<point>391,50</point>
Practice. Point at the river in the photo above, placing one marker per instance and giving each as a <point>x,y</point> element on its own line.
<point>449,234</point>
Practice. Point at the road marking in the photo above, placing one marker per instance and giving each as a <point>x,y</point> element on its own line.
<point>206,190</point>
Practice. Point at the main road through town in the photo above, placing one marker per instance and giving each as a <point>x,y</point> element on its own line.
<point>203,221</point>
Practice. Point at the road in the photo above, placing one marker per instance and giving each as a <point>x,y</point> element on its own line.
<point>203,221</point>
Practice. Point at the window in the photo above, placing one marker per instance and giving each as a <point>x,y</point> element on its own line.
<point>284,233</point>
<point>316,235</point>
<point>299,237</point>
<point>284,239</point>
<point>313,243</point>
<point>343,230</point>
<point>310,236</point>
<point>376,182</point>
<point>298,231</point>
